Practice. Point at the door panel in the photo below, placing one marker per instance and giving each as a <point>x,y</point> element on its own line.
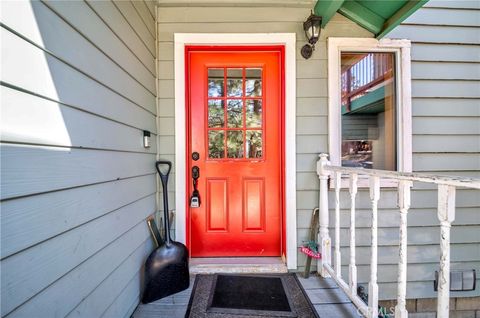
<point>253,205</point>
<point>217,205</point>
<point>235,124</point>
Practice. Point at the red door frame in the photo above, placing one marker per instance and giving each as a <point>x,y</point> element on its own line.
<point>261,48</point>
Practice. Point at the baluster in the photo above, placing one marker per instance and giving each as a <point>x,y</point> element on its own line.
<point>352,267</point>
<point>323,235</point>
<point>373,286</point>
<point>404,205</point>
<point>446,215</point>
<point>338,255</point>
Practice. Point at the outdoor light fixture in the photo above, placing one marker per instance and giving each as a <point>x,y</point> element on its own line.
<point>146,139</point>
<point>312,32</point>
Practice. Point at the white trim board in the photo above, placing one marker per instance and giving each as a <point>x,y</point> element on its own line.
<point>401,48</point>
<point>222,39</point>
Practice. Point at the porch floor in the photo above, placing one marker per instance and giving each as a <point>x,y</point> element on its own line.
<point>328,299</point>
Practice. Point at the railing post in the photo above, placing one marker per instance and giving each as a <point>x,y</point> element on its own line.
<point>372,285</point>
<point>446,215</point>
<point>323,235</point>
<point>404,205</point>
<point>338,255</point>
<point>352,267</point>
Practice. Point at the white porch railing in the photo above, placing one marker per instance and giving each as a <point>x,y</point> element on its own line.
<point>446,215</point>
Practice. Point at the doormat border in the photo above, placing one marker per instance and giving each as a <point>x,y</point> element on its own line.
<point>223,312</point>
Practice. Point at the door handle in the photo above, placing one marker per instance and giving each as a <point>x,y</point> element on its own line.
<point>195,173</point>
<point>195,197</point>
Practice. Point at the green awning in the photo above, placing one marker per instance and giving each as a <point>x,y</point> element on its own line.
<point>377,16</point>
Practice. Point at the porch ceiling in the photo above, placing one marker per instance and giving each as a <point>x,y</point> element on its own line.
<point>377,16</point>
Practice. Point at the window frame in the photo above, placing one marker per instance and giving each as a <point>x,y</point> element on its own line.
<point>401,48</point>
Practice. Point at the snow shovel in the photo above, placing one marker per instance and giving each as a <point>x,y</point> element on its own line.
<point>166,269</point>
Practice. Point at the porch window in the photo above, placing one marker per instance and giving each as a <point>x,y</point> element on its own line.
<point>369,103</point>
<point>368,110</point>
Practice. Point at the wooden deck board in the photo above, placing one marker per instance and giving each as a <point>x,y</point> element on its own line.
<point>327,298</point>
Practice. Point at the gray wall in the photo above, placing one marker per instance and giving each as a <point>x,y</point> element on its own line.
<point>445,72</point>
<point>446,140</point>
<point>445,38</point>
<point>311,118</point>
<point>78,88</point>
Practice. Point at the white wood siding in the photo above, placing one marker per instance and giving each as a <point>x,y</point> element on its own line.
<point>77,90</point>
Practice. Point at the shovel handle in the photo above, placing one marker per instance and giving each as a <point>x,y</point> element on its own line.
<point>163,176</point>
<point>164,179</point>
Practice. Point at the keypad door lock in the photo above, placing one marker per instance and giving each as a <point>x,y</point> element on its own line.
<point>195,197</point>
<point>194,201</point>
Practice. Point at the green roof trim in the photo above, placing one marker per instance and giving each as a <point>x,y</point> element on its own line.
<point>401,15</point>
<point>377,16</point>
<point>362,16</point>
<point>327,9</point>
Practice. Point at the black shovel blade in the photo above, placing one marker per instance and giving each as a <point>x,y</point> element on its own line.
<point>166,272</point>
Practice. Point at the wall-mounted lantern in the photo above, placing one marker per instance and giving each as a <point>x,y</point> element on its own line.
<point>312,29</point>
<point>146,139</point>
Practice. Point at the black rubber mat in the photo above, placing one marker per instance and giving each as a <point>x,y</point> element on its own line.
<point>246,292</point>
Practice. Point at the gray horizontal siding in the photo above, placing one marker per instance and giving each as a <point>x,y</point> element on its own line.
<point>60,83</point>
<point>466,35</point>
<point>77,90</point>
<point>445,73</point>
<point>432,15</point>
<point>74,49</point>
<point>445,86</point>
<point>444,52</point>
<point>120,24</point>
<point>55,124</point>
<point>311,105</point>
<point>134,18</point>
<point>446,140</point>
<point>453,4</point>
<point>90,23</point>
<point>389,218</point>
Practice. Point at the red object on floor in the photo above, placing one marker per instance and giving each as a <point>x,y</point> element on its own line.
<point>310,253</point>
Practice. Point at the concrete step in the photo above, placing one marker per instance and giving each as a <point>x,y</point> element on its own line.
<point>237,265</point>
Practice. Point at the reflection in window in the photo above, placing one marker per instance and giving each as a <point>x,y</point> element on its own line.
<point>215,82</point>
<point>235,113</point>
<point>216,113</point>
<point>368,110</point>
<point>254,143</point>
<point>234,144</point>
<point>216,144</point>
<point>253,82</point>
<point>234,82</point>
<point>254,113</point>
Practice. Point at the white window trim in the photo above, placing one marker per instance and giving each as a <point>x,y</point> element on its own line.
<point>401,48</point>
<point>285,39</point>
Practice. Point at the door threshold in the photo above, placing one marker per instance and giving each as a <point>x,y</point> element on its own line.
<point>239,265</point>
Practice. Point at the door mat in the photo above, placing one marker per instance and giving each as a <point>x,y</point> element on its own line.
<point>225,296</point>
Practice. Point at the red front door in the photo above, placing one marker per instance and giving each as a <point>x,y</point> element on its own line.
<point>235,125</point>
